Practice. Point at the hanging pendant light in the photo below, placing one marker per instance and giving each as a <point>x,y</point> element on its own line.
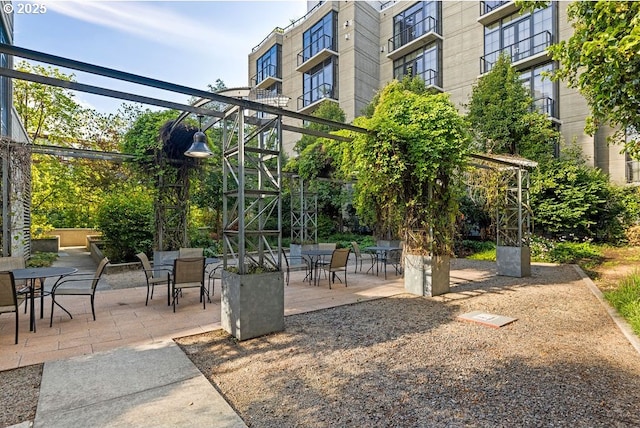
<point>199,147</point>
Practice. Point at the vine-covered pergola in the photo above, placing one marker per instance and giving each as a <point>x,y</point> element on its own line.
<point>252,171</point>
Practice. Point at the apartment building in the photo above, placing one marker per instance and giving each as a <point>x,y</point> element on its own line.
<point>345,51</point>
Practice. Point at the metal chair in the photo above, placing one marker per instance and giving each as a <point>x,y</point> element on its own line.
<point>154,276</point>
<point>297,266</point>
<point>337,264</point>
<point>360,256</point>
<point>190,252</point>
<point>76,285</point>
<point>188,273</point>
<point>9,300</point>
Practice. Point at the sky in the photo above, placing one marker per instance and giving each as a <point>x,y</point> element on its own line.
<point>191,43</point>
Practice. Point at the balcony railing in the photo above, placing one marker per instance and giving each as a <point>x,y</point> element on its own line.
<point>544,105</point>
<point>490,6</point>
<point>633,171</point>
<point>324,42</point>
<point>264,73</point>
<point>316,94</point>
<point>430,77</point>
<point>518,51</point>
<point>409,34</point>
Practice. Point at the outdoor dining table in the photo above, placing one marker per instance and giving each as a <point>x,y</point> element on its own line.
<point>314,255</point>
<point>379,249</point>
<point>33,273</point>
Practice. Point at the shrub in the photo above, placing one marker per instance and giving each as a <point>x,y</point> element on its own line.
<point>126,222</point>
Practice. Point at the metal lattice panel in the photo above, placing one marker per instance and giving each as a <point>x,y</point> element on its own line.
<point>252,208</point>
<point>514,219</point>
<point>304,212</point>
<point>171,207</point>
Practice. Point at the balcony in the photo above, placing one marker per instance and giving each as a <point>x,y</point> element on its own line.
<point>413,37</point>
<point>633,171</point>
<point>491,11</point>
<point>266,77</point>
<point>431,79</point>
<point>524,54</point>
<point>308,101</point>
<point>545,105</point>
<point>315,53</point>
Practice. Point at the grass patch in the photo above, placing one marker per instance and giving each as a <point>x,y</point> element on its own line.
<point>626,300</point>
<point>487,255</point>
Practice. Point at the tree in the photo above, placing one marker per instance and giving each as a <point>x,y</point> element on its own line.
<point>66,191</point>
<point>406,167</point>
<point>602,60</point>
<point>326,110</point>
<point>501,119</point>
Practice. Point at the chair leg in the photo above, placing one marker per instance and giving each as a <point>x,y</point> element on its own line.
<point>93,309</point>
<point>146,302</point>
<point>16,326</point>
<point>53,302</point>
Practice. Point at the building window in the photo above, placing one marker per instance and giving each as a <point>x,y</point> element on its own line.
<point>490,6</point>
<point>423,63</point>
<point>520,36</point>
<point>268,65</point>
<point>319,83</point>
<point>420,19</point>
<point>542,90</point>
<point>320,36</point>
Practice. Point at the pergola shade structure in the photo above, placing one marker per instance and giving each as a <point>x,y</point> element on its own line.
<point>251,150</point>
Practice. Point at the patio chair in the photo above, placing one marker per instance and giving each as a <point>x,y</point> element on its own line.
<point>296,266</point>
<point>188,272</point>
<point>16,262</point>
<point>9,300</point>
<point>391,257</point>
<point>190,252</point>
<point>77,284</point>
<point>360,256</point>
<point>154,276</point>
<point>337,264</point>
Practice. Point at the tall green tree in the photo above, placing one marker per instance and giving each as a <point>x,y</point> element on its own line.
<point>501,117</point>
<point>602,60</point>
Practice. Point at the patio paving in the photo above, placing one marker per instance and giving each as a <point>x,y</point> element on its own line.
<point>122,319</point>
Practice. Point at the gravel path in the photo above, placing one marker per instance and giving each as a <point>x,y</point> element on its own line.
<point>407,361</point>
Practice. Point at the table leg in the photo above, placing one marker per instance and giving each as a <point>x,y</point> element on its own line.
<point>32,311</point>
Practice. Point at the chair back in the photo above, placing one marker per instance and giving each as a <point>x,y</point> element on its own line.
<point>146,265</point>
<point>339,258</point>
<point>7,290</point>
<point>190,252</point>
<point>96,278</point>
<point>356,248</point>
<point>11,263</point>
<point>326,246</point>
<point>188,269</point>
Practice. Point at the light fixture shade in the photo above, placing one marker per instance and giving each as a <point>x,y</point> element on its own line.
<point>199,148</point>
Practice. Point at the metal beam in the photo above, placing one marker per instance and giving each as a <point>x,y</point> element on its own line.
<point>172,87</point>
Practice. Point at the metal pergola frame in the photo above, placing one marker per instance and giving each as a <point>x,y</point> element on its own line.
<point>239,151</point>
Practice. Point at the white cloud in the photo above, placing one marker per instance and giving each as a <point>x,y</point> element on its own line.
<point>148,20</point>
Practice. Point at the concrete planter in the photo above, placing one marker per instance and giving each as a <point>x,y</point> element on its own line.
<point>46,245</point>
<point>252,305</point>
<point>513,261</point>
<point>426,275</point>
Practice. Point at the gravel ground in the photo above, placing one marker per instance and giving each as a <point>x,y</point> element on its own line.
<point>407,361</point>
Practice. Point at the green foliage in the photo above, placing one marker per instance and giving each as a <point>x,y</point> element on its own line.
<point>326,110</point>
<point>406,167</point>
<point>601,59</point>
<point>412,84</point>
<point>586,254</point>
<point>626,300</point>
<point>39,259</point>
<point>486,255</point>
<point>143,140</point>
<point>126,222</point>
<point>573,200</point>
<point>500,117</point>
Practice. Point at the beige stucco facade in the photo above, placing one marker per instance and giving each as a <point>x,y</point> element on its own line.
<point>365,65</point>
